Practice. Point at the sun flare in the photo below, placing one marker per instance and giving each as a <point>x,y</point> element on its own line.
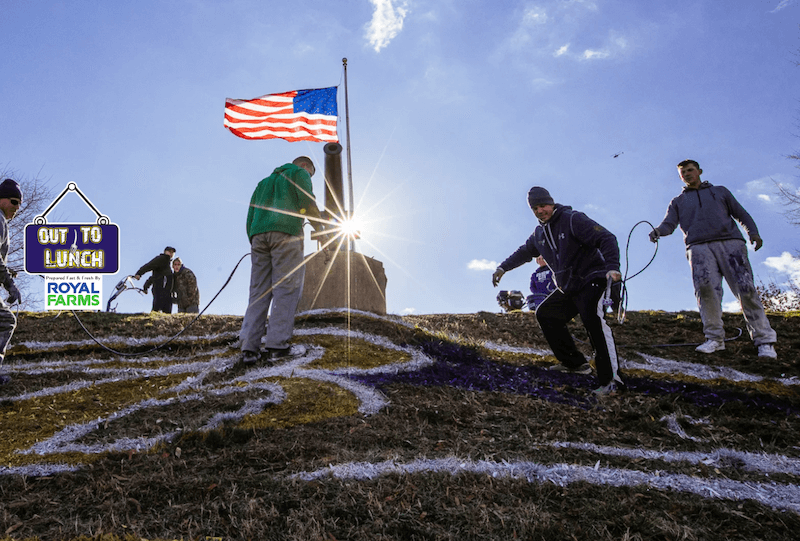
<point>351,227</point>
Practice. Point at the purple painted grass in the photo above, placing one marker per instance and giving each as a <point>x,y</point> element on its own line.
<point>463,367</point>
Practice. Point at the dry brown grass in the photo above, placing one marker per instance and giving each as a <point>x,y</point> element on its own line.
<point>236,482</point>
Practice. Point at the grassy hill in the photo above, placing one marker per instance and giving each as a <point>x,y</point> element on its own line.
<point>422,427</point>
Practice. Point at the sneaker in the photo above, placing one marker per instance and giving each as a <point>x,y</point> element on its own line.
<point>710,346</point>
<point>585,368</point>
<point>767,350</point>
<point>279,353</point>
<point>609,389</point>
<point>250,357</point>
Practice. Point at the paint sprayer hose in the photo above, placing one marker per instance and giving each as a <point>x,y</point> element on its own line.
<point>125,354</point>
<point>623,305</point>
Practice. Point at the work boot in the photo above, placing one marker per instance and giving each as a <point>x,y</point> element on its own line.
<point>710,346</point>
<point>250,357</point>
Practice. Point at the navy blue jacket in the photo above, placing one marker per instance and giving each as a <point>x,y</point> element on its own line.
<point>576,248</point>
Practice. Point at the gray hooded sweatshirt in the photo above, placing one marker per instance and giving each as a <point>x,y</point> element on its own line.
<point>707,214</point>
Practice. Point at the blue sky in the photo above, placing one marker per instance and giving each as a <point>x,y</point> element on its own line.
<point>457,108</point>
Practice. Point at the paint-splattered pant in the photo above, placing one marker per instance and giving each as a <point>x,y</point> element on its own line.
<point>558,309</point>
<point>276,277</point>
<point>710,262</point>
<point>7,325</point>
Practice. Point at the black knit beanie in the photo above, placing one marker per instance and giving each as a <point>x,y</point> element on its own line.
<point>539,196</point>
<point>9,188</point>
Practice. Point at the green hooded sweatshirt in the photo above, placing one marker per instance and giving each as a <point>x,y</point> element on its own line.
<point>289,188</point>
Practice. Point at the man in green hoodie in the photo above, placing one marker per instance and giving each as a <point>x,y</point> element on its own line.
<point>278,209</point>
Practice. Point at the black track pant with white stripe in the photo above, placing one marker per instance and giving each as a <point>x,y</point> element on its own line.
<point>558,309</point>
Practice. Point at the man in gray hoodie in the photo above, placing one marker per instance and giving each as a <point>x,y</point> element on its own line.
<point>716,248</point>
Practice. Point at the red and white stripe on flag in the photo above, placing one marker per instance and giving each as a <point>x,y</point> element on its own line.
<point>299,115</point>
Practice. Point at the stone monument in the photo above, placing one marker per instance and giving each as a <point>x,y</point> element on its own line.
<point>341,278</point>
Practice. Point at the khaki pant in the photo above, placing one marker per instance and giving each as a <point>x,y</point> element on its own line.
<point>710,263</point>
<point>276,277</point>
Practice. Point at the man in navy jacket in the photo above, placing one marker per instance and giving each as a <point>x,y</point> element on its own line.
<point>584,257</point>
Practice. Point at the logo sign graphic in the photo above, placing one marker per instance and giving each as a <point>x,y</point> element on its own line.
<point>72,257</point>
<point>73,292</point>
<point>71,249</point>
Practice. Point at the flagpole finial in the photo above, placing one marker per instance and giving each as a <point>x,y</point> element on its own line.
<point>344,61</point>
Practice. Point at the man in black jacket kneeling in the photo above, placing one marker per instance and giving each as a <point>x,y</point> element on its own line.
<point>584,258</point>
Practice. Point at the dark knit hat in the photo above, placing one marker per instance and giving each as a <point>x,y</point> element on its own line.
<point>170,248</point>
<point>539,196</point>
<point>9,188</point>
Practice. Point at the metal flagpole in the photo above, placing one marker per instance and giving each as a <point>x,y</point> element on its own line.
<point>349,163</point>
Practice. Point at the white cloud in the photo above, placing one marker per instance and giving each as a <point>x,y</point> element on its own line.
<point>546,33</point>
<point>532,18</point>
<point>544,30</point>
<point>757,185</point>
<point>482,265</point>
<point>764,189</point>
<point>616,44</point>
<point>732,306</point>
<point>781,5</point>
<point>561,50</point>
<point>589,54</point>
<point>387,22</point>
<point>785,264</point>
<point>756,188</point>
<point>407,311</point>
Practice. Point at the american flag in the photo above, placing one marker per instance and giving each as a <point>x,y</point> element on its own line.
<point>299,115</point>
